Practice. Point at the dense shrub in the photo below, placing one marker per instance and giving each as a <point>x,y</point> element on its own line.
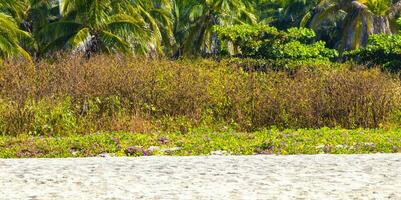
<point>43,117</point>
<point>118,93</point>
<point>382,50</point>
<point>288,65</point>
<point>262,41</point>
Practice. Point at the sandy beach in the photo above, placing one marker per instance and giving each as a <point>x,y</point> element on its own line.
<point>375,176</point>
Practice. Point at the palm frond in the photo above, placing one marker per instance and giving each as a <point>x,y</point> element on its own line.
<point>113,42</point>
<point>80,38</point>
<point>10,38</point>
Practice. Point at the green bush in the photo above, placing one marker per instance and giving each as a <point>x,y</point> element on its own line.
<point>262,41</point>
<point>44,117</point>
<point>382,50</point>
<point>52,118</point>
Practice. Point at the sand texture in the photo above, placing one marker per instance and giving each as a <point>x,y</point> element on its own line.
<point>375,176</point>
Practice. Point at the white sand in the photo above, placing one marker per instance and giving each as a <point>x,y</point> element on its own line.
<point>216,177</point>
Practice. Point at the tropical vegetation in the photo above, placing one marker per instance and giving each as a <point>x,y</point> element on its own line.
<point>176,28</point>
<point>189,77</point>
<point>201,142</point>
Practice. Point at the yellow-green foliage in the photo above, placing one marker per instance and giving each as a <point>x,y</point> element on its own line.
<point>74,95</point>
<point>262,41</point>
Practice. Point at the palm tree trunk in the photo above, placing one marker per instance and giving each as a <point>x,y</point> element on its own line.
<point>92,46</point>
<point>371,24</point>
<point>357,32</point>
<point>381,24</point>
<point>395,10</point>
<point>215,42</point>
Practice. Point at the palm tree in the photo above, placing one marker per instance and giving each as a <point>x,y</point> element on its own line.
<point>195,20</point>
<point>39,13</point>
<point>10,38</point>
<point>13,8</point>
<point>159,17</point>
<point>283,14</point>
<point>361,19</point>
<point>97,26</point>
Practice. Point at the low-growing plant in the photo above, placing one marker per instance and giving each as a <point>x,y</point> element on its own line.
<point>112,93</point>
<point>204,141</point>
<point>51,117</point>
<point>44,117</point>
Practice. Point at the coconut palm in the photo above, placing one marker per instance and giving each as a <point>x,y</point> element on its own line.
<point>196,18</point>
<point>158,15</point>
<point>97,26</point>
<point>289,13</point>
<point>361,19</point>
<point>13,8</point>
<point>39,13</point>
<point>10,38</point>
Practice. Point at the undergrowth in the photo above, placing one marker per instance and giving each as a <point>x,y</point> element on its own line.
<point>109,93</point>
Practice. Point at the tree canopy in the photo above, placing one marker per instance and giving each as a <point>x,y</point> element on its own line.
<point>174,28</point>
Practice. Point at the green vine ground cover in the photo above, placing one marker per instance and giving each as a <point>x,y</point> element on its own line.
<point>205,142</point>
